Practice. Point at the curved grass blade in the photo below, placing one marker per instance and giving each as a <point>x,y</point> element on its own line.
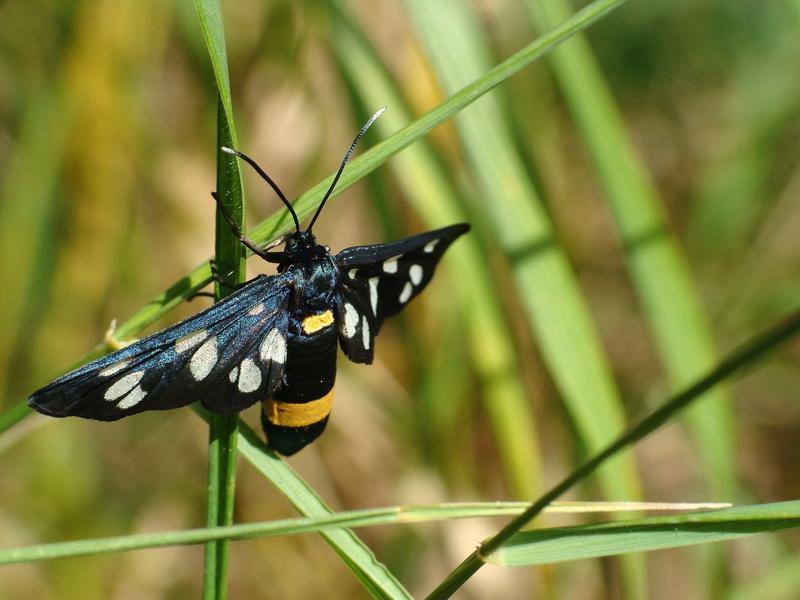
<point>548,289</point>
<point>556,312</point>
<point>297,525</point>
<point>359,558</point>
<point>744,356</point>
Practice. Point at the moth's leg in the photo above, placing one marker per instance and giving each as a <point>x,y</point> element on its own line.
<point>200,295</point>
<point>224,283</point>
<point>274,243</point>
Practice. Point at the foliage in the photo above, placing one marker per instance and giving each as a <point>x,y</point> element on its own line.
<point>633,199</point>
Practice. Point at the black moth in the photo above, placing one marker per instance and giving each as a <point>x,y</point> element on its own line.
<point>272,341</point>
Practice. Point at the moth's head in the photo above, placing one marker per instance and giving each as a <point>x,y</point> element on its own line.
<point>298,241</point>
<point>301,247</point>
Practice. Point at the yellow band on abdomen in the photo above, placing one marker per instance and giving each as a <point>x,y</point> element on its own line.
<point>314,323</point>
<point>291,414</point>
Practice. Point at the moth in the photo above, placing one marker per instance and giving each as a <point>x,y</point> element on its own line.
<point>274,340</point>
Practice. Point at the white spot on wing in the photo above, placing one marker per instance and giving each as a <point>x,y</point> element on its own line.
<point>136,395</point>
<point>430,246</point>
<point>124,385</point>
<point>115,368</point>
<point>256,310</point>
<point>190,340</point>
<point>373,294</point>
<point>365,337</point>
<point>350,320</point>
<point>273,348</point>
<point>203,361</point>
<point>249,376</point>
<point>390,266</point>
<point>234,374</point>
<point>415,273</point>
<point>406,293</point>
<point>352,273</point>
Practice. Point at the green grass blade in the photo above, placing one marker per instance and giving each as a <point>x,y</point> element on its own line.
<point>31,172</point>
<point>550,294</point>
<point>223,429</point>
<point>371,517</point>
<point>209,13</point>
<point>642,535</point>
<point>380,153</point>
<point>743,357</point>
<point>658,267</point>
<point>433,197</point>
<point>297,525</point>
<point>222,433</point>
<point>359,558</point>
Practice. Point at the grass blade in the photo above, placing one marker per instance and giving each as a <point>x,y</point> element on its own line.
<point>546,546</point>
<point>355,518</point>
<point>741,358</point>
<point>658,267</point>
<point>359,558</point>
<point>223,429</point>
<point>550,294</point>
<point>435,200</point>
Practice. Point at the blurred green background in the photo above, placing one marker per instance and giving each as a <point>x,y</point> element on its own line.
<point>635,203</point>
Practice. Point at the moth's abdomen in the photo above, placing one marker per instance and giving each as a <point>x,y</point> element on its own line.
<point>297,414</point>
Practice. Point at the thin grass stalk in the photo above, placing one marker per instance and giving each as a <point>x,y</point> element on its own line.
<point>744,356</point>
<point>223,429</point>
<point>229,252</point>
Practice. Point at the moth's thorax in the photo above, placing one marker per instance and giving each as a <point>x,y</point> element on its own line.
<point>314,283</point>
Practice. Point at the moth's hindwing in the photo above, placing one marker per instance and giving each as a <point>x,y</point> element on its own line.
<point>378,281</point>
<point>228,356</point>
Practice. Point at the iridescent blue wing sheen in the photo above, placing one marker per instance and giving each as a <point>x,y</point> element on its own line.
<point>229,356</point>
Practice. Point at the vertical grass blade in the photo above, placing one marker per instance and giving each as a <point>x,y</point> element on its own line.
<point>223,429</point>
<point>27,229</point>
<point>555,310</point>
<point>659,270</point>
<point>433,197</point>
<point>224,432</point>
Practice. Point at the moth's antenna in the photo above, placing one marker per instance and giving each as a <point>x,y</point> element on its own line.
<point>266,178</point>
<point>341,168</point>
